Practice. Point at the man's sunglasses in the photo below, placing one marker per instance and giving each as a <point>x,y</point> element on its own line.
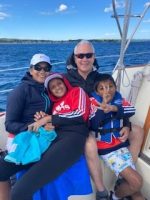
<point>38,68</point>
<point>82,55</point>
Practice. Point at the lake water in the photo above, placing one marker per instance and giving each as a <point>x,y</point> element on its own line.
<point>18,56</point>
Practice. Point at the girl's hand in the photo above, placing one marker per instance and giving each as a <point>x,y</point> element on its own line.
<point>39,115</point>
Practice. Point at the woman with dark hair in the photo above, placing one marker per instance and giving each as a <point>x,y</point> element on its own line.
<point>26,99</point>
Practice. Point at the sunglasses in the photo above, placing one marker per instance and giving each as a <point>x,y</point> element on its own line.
<point>82,55</point>
<point>39,68</point>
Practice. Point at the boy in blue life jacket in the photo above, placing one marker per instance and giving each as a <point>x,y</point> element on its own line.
<point>109,114</point>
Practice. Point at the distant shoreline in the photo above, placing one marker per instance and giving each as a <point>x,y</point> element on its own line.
<point>33,41</point>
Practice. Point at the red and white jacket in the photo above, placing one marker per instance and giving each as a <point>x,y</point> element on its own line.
<point>70,114</point>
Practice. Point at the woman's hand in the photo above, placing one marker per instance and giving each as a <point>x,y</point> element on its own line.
<point>49,127</point>
<point>39,115</point>
<point>36,125</point>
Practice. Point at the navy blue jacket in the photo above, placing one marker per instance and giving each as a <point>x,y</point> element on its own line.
<point>77,80</point>
<point>107,126</point>
<point>23,102</point>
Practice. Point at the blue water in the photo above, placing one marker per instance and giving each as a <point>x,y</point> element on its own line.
<point>18,55</point>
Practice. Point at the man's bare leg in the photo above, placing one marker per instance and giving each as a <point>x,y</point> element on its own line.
<point>136,138</point>
<point>94,163</point>
<point>5,190</point>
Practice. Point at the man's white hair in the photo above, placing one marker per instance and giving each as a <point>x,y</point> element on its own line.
<point>84,42</point>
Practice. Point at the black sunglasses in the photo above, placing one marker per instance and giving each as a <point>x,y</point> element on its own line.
<point>82,55</point>
<point>38,68</point>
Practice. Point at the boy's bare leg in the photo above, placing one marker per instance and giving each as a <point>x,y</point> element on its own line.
<point>137,196</point>
<point>94,163</point>
<point>5,190</point>
<point>131,186</point>
<point>136,138</point>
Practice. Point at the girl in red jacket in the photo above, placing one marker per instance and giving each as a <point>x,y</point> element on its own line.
<point>71,107</point>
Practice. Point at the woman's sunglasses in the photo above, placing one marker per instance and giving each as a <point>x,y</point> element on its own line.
<point>82,55</point>
<point>38,68</point>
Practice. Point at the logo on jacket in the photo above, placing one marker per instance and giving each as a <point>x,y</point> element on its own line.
<point>61,107</point>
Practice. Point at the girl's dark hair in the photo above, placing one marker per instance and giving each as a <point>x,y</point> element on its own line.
<point>104,77</point>
<point>71,62</point>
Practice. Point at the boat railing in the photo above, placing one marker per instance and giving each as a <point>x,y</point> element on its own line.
<point>53,64</point>
<point>63,62</point>
<point>123,30</point>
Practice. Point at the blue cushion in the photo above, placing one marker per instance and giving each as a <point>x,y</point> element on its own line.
<point>74,181</point>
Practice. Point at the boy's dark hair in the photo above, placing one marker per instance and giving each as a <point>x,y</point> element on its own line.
<point>104,77</point>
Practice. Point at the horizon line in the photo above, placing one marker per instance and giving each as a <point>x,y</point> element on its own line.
<point>22,39</point>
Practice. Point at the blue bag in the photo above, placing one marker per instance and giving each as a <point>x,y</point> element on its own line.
<point>27,146</point>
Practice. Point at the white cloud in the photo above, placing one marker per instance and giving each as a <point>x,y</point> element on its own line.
<point>119,4</point>
<point>146,21</point>
<point>108,9</point>
<point>147,4</point>
<point>62,8</point>
<point>3,15</point>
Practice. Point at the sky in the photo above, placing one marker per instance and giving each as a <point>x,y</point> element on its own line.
<point>67,19</point>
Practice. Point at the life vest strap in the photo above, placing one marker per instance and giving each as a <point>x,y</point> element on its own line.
<point>103,131</point>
